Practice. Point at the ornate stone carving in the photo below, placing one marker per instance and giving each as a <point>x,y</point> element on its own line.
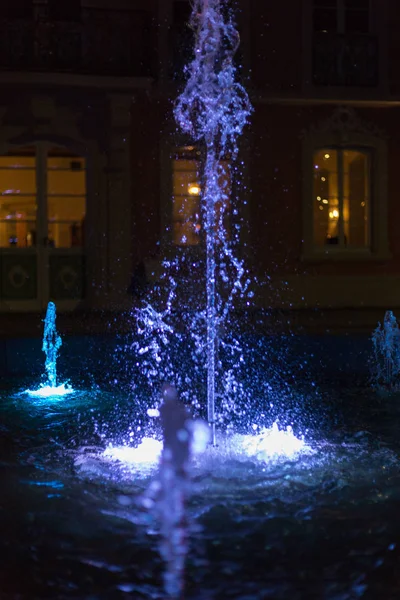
<point>345,121</point>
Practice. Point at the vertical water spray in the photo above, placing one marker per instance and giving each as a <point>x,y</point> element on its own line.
<point>213,109</point>
<point>51,344</point>
<point>386,363</point>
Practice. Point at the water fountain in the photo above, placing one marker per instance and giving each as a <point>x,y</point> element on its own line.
<point>51,344</point>
<point>213,109</point>
<point>83,514</point>
<point>386,361</point>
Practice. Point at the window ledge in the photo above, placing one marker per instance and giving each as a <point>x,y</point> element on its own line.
<point>345,256</point>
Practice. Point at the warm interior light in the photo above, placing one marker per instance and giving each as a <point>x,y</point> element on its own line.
<point>334,214</point>
<point>327,155</point>
<point>194,189</point>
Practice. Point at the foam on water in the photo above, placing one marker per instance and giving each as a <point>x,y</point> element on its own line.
<point>145,455</point>
<point>270,444</point>
<point>48,391</point>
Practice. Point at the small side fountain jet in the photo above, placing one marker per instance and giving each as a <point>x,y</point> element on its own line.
<point>51,345</point>
<point>386,361</point>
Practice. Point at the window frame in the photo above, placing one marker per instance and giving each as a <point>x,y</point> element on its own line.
<point>168,152</point>
<point>172,221</point>
<point>340,172</point>
<point>340,11</point>
<point>379,242</point>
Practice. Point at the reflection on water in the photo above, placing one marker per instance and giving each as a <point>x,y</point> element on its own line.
<point>319,523</point>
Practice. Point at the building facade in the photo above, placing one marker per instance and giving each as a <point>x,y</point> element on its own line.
<point>325,141</point>
<point>97,186</point>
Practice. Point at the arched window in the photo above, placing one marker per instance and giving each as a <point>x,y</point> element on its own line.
<point>342,197</point>
<point>344,190</point>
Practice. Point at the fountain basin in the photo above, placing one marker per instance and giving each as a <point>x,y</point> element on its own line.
<point>318,523</point>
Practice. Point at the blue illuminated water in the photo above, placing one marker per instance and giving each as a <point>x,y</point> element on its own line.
<point>213,110</point>
<point>300,497</point>
<point>386,358</point>
<point>51,344</point>
<point>317,524</point>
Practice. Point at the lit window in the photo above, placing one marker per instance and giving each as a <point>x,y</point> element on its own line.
<point>345,199</point>
<point>56,206</point>
<point>186,221</point>
<point>341,198</point>
<point>187,226</point>
<point>66,198</point>
<point>18,203</point>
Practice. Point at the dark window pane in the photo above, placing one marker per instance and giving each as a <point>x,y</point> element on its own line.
<point>357,21</point>
<point>361,4</point>
<point>325,19</point>
<point>65,11</point>
<point>16,9</point>
<point>181,38</point>
<point>182,12</point>
<point>325,3</point>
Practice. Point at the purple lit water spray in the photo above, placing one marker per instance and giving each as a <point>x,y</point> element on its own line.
<point>213,109</point>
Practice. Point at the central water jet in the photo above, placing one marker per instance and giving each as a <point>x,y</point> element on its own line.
<point>213,109</point>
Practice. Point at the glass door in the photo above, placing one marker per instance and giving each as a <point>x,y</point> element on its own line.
<point>42,217</point>
<point>18,228</point>
<point>65,210</point>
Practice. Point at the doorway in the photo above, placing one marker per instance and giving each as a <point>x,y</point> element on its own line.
<point>42,227</point>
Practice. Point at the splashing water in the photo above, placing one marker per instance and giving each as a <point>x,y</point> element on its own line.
<point>185,331</point>
<point>140,458</point>
<point>386,341</point>
<point>213,109</point>
<point>274,444</point>
<point>268,445</point>
<point>51,345</point>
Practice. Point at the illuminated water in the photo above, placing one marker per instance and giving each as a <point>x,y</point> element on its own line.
<point>51,344</point>
<point>213,110</point>
<point>322,523</point>
<point>282,507</point>
<point>386,363</point>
